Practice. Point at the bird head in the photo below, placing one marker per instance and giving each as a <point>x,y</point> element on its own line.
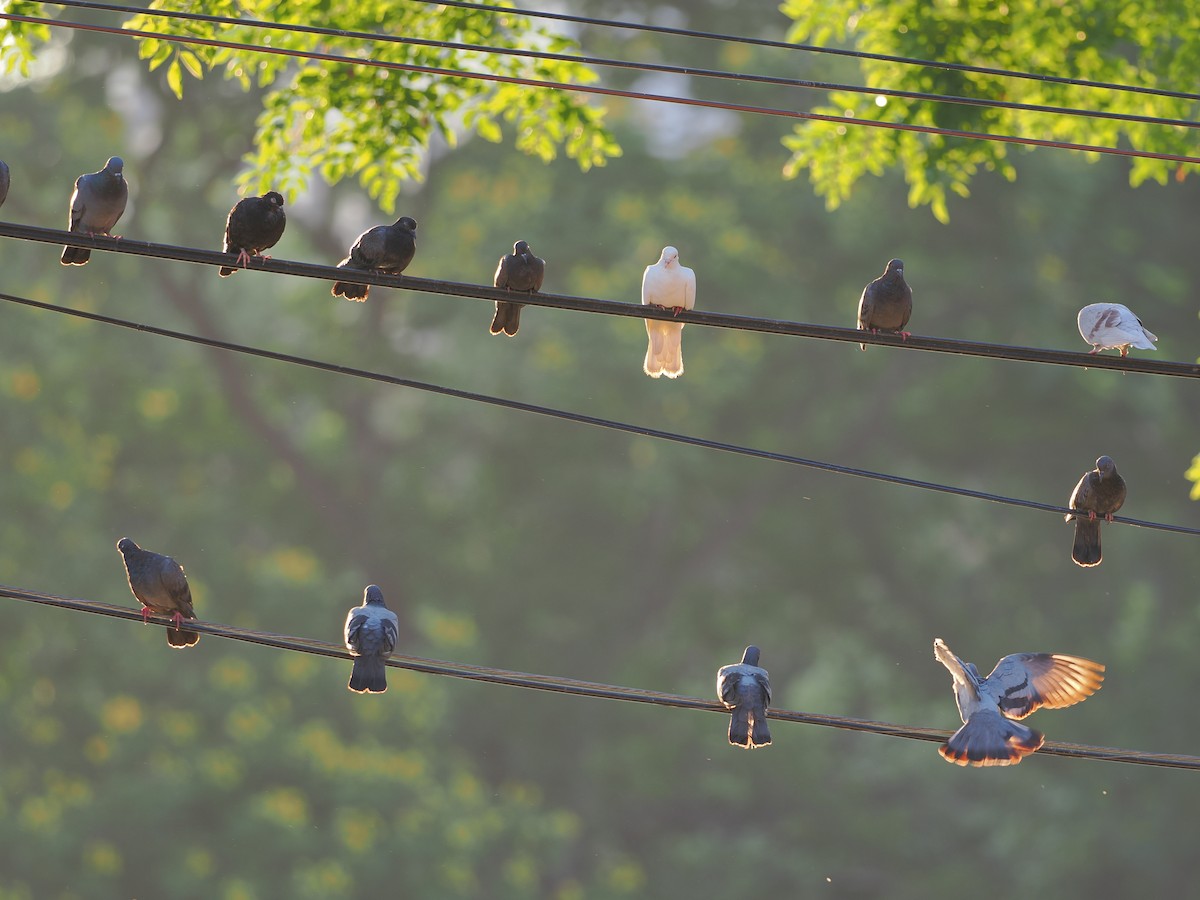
<point>274,198</point>
<point>895,266</point>
<point>1106,466</point>
<point>114,166</point>
<point>126,545</point>
<point>750,656</point>
<point>406,222</point>
<point>669,255</point>
<point>372,595</point>
<point>520,248</point>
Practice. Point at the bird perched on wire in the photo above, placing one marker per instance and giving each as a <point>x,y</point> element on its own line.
<point>1100,492</point>
<point>745,689</point>
<point>517,271</point>
<point>886,303</point>
<point>667,285</point>
<point>96,204</point>
<point>4,181</point>
<point>1021,684</point>
<point>371,632</point>
<point>255,224</point>
<point>387,249</point>
<point>1108,326</point>
<point>161,586</point>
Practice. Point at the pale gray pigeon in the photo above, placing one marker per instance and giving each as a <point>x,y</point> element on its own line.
<point>518,271</point>
<point>96,204</point>
<point>371,632</point>
<point>1021,683</point>
<point>1108,326</point>
<point>1100,492</point>
<point>255,224</point>
<point>4,180</point>
<point>886,303</point>
<point>745,689</point>
<point>387,249</point>
<point>161,586</point>
<point>667,285</point>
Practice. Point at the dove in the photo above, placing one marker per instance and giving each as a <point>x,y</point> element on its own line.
<point>745,689</point>
<point>387,249</point>
<point>1099,492</point>
<point>1108,326</point>
<point>886,303</point>
<point>4,180</point>
<point>518,271</point>
<point>254,224</point>
<point>371,632</point>
<point>161,586</point>
<point>96,204</point>
<point>1021,683</point>
<point>667,285</point>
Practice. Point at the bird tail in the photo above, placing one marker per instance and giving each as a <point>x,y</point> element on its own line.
<point>508,318</point>
<point>369,675</point>
<point>75,256</point>
<point>179,638</point>
<point>226,271</point>
<point>664,355</point>
<point>351,291</point>
<point>760,734</point>
<point>1086,551</point>
<point>989,739</point>
<point>739,727</point>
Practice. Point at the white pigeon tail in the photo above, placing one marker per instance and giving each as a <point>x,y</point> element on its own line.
<point>1109,326</point>
<point>667,285</point>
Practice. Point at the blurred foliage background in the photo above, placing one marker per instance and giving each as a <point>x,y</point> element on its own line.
<point>231,771</point>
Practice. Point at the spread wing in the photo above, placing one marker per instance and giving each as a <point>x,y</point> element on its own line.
<point>1025,682</point>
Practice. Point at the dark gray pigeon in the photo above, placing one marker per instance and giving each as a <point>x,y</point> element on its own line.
<point>159,583</point>
<point>1021,684</point>
<point>746,689</point>
<point>255,224</point>
<point>96,205</point>
<point>387,249</point>
<point>886,303</point>
<point>1100,492</point>
<point>4,179</point>
<point>518,271</point>
<point>371,633</point>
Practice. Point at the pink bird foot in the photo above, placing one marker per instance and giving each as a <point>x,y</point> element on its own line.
<point>905,335</point>
<point>177,619</point>
<point>1108,517</point>
<point>243,258</point>
<point>146,613</point>
<point>1091,515</point>
<point>1093,351</point>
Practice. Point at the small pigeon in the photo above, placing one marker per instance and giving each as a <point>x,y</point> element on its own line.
<point>1021,683</point>
<point>159,583</point>
<point>1108,326</point>
<point>387,249</point>
<point>1100,492</point>
<point>667,285</point>
<point>886,303</point>
<point>96,205</point>
<point>254,224</point>
<point>746,689</point>
<point>518,271</point>
<point>371,632</point>
<point>4,179</point>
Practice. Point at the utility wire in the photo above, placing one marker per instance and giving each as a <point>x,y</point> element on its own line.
<point>376,37</point>
<point>1139,365</point>
<point>604,91</point>
<point>561,685</point>
<point>567,415</point>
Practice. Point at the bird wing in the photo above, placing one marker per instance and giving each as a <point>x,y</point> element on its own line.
<point>390,632</point>
<point>727,682</point>
<point>866,304</point>
<point>355,622</point>
<point>648,278</point>
<point>500,279</point>
<point>1023,683</point>
<point>175,582</point>
<point>78,207</point>
<point>764,683</point>
<point>1084,495</point>
<point>689,287</point>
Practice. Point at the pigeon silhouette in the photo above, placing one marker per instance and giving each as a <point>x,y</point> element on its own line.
<point>159,583</point>
<point>667,285</point>
<point>886,303</point>
<point>387,249</point>
<point>371,632</point>
<point>1108,326</point>
<point>745,689</point>
<point>518,271</point>
<point>1100,492</point>
<point>255,224</point>
<point>96,204</point>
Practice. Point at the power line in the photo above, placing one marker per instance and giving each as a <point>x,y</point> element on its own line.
<point>623,64</point>
<point>1139,365</point>
<point>561,685</point>
<point>567,415</point>
<point>604,91</point>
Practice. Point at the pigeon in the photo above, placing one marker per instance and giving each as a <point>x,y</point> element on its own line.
<point>886,303</point>
<point>1108,326</point>
<point>371,632</point>
<point>254,224</point>
<point>1021,683</point>
<point>667,285</point>
<point>1100,492</point>
<point>746,689</point>
<point>387,249</point>
<point>159,583</point>
<point>518,271</point>
<point>96,205</point>
<point>4,179</point>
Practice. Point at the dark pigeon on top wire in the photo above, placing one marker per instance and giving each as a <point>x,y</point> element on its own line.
<point>255,224</point>
<point>1100,492</point>
<point>161,586</point>
<point>518,271</point>
<point>97,203</point>
<point>371,633</point>
<point>4,181</point>
<point>387,249</point>
<point>745,689</point>
<point>886,303</point>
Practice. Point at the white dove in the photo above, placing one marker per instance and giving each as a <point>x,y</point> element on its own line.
<point>1110,325</point>
<point>1019,685</point>
<point>745,689</point>
<point>668,285</point>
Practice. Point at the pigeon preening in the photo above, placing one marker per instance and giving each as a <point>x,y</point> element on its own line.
<point>1100,492</point>
<point>1108,326</point>
<point>667,285</point>
<point>886,303</point>
<point>96,204</point>
<point>4,180</point>
<point>159,583</point>
<point>1021,683</point>
<point>745,689</point>
<point>518,271</point>
<point>371,632</point>
<point>387,249</point>
<point>255,224</point>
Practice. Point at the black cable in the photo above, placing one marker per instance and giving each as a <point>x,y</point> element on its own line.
<point>1138,365</point>
<point>569,416</point>
<point>561,685</point>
